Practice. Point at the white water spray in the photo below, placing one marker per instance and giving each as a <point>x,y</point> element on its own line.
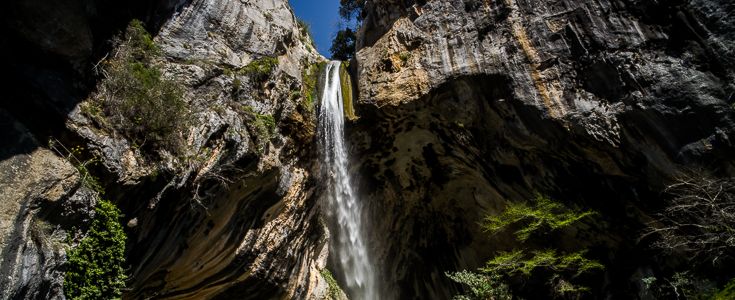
<point>344,209</point>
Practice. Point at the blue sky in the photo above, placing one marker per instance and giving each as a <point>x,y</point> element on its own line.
<point>323,17</point>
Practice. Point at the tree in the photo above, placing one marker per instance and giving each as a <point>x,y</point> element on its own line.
<point>343,45</point>
<point>560,270</point>
<point>698,219</point>
<point>349,9</point>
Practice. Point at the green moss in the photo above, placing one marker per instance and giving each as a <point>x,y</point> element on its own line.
<point>334,291</point>
<point>310,80</point>
<point>346,87</point>
<point>95,268</point>
<point>543,213</point>
<point>404,56</point>
<point>260,69</point>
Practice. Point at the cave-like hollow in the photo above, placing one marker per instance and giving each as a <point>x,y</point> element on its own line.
<point>432,169</point>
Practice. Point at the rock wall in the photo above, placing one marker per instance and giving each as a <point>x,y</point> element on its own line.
<point>233,215</point>
<point>466,105</point>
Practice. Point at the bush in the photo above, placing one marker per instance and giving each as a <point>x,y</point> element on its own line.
<point>260,70</point>
<point>262,126</point>
<point>147,108</point>
<point>481,286</point>
<point>94,269</point>
<point>698,219</point>
<point>560,269</point>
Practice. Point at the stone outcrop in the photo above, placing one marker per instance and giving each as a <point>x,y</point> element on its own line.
<point>233,214</point>
<point>40,191</point>
<point>466,105</point>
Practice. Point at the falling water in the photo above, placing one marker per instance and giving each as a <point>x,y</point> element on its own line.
<point>344,209</point>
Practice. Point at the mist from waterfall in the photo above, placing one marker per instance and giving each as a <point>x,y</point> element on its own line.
<point>348,245</point>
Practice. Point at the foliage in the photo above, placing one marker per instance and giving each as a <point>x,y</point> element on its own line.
<point>518,262</point>
<point>343,45</point>
<point>542,214</point>
<point>481,286</point>
<point>727,292</point>
<point>334,290</point>
<point>305,30</point>
<point>349,9</point>
<point>263,125</point>
<point>147,108</point>
<point>686,285</point>
<point>73,155</point>
<point>699,218</point>
<point>260,69</point>
<point>94,269</point>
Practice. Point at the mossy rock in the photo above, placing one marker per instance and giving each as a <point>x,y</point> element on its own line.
<point>347,92</point>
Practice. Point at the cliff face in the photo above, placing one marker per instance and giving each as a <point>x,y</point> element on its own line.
<point>467,105</point>
<point>463,106</point>
<point>232,213</point>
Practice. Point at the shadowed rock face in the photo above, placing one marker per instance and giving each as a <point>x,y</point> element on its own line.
<point>466,105</point>
<point>233,216</point>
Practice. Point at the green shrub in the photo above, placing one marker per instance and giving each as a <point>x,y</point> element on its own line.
<point>542,216</point>
<point>543,213</point>
<point>95,268</point>
<point>263,126</point>
<point>481,286</point>
<point>147,108</point>
<point>727,292</point>
<point>260,69</point>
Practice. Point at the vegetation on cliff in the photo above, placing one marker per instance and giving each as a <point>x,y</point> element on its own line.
<point>95,268</point>
<point>697,223</point>
<point>343,44</point>
<point>135,98</point>
<point>260,69</point>
<point>556,269</point>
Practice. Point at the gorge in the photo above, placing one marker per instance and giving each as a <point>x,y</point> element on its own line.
<point>241,163</point>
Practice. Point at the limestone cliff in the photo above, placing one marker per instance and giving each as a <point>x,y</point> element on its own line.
<point>460,107</point>
<point>468,104</point>
<point>231,214</point>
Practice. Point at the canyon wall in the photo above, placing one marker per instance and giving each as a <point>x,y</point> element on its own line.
<point>466,105</point>
<point>232,213</point>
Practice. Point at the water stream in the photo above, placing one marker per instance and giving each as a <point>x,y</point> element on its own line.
<point>348,245</point>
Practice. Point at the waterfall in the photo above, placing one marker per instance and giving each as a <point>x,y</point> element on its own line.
<point>348,245</point>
